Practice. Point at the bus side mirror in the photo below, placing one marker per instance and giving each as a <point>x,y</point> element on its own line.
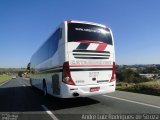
<point>29,66</point>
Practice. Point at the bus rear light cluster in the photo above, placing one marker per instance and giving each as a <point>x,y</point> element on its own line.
<point>66,74</point>
<point>113,77</point>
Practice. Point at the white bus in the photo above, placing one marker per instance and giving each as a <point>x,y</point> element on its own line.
<point>78,60</point>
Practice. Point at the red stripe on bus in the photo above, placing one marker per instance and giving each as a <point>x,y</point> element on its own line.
<point>101,47</point>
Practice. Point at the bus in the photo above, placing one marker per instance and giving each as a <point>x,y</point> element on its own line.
<point>77,60</point>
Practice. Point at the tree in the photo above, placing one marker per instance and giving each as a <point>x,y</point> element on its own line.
<point>128,75</point>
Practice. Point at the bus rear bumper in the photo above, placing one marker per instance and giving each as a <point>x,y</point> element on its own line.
<point>71,91</point>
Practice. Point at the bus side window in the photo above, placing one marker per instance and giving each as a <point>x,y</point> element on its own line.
<point>53,43</point>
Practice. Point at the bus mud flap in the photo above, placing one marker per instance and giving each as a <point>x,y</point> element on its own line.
<point>55,84</point>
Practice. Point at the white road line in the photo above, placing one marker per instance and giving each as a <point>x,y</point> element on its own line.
<point>25,83</point>
<point>154,106</point>
<point>22,83</point>
<point>4,83</point>
<point>49,112</point>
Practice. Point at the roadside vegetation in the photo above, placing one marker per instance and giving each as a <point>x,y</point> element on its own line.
<point>151,88</point>
<point>8,73</point>
<point>132,81</point>
<point>4,78</point>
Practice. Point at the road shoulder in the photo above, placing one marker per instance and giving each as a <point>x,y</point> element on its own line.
<point>148,99</point>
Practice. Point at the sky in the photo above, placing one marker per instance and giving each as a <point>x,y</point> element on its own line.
<point>26,24</point>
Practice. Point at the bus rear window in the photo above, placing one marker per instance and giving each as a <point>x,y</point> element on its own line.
<point>78,32</point>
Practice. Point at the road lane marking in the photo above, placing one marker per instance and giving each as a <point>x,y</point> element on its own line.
<point>49,112</point>
<point>132,101</point>
<point>4,83</point>
<point>22,83</point>
<point>27,84</point>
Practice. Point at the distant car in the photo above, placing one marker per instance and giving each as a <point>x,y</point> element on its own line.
<point>14,77</point>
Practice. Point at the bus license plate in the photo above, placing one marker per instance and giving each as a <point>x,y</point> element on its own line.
<point>94,89</point>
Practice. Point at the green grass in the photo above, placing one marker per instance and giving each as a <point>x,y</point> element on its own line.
<point>4,78</point>
<point>151,88</point>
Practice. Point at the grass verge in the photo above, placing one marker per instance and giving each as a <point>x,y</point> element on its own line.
<point>4,78</point>
<point>150,88</point>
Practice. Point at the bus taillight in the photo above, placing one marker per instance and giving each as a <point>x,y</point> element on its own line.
<point>66,74</point>
<point>113,72</point>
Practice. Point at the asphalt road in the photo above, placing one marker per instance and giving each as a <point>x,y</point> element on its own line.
<point>19,101</point>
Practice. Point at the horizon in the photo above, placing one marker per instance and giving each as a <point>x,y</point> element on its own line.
<point>25,25</point>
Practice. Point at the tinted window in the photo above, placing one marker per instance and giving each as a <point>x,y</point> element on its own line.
<point>54,43</point>
<point>78,31</point>
<point>47,50</point>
